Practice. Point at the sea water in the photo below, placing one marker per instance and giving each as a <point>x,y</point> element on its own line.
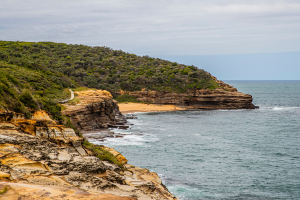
<point>223,154</point>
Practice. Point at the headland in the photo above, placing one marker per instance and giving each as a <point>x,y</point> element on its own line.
<point>43,152</point>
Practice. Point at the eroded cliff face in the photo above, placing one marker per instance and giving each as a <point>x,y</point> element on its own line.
<point>38,162</point>
<point>222,98</point>
<point>95,109</point>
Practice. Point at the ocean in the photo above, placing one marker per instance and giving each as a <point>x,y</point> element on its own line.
<point>223,154</point>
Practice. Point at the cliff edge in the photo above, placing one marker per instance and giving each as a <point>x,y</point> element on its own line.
<point>224,97</point>
<point>94,109</point>
<point>43,160</point>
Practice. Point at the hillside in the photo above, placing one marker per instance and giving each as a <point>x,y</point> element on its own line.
<point>24,89</point>
<point>33,75</point>
<point>51,155</point>
<point>104,68</point>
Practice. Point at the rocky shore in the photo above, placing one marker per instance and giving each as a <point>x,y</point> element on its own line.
<point>43,160</point>
<point>203,99</point>
<point>225,97</point>
<point>95,109</point>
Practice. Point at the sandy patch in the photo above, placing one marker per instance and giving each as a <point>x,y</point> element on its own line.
<point>141,107</point>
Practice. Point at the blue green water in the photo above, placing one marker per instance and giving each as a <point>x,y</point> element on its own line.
<point>223,154</point>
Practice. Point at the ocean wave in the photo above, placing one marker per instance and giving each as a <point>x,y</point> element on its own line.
<point>285,108</point>
<point>186,192</point>
<point>128,140</point>
<point>277,108</point>
<point>231,110</point>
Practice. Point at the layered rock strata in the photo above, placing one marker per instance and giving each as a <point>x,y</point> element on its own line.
<point>222,98</point>
<point>36,164</point>
<point>94,109</point>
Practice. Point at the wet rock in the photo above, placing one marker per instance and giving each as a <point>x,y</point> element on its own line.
<point>130,116</point>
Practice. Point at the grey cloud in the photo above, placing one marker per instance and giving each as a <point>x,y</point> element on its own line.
<point>158,27</point>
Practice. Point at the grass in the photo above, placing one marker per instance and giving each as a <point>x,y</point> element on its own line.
<point>5,189</point>
<point>83,88</point>
<point>74,101</point>
<point>102,154</point>
<point>67,122</point>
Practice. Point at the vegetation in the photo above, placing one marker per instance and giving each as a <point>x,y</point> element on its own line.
<point>5,189</point>
<point>103,68</point>
<point>102,154</point>
<point>24,89</point>
<point>127,98</point>
<point>33,75</point>
<point>74,101</point>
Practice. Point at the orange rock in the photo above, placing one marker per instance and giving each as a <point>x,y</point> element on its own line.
<point>38,192</point>
<point>99,93</point>
<point>42,115</point>
<point>4,175</point>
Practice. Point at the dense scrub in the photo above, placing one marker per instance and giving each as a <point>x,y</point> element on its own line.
<point>125,98</point>
<point>24,89</point>
<point>104,68</point>
<point>34,75</point>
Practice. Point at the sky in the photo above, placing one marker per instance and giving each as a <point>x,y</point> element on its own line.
<point>231,39</point>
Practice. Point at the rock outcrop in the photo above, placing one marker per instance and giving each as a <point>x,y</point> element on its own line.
<point>94,109</point>
<point>222,98</point>
<point>38,162</point>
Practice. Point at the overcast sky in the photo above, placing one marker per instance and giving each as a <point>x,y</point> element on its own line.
<point>179,30</point>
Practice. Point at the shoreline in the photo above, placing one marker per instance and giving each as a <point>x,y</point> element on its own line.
<point>128,108</point>
<point>76,168</point>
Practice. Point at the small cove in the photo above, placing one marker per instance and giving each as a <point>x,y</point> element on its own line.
<point>223,154</point>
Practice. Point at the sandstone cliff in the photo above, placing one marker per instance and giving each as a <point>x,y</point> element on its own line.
<point>94,109</point>
<point>225,97</point>
<point>43,160</point>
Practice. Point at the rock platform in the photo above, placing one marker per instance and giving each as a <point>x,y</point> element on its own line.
<point>43,160</point>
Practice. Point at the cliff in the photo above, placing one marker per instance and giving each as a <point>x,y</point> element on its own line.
<point>94,109</point>
<point>223,98</point>
<point>43,160</point>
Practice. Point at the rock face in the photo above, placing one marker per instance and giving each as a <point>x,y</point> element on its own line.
<point>38,162</point>
<point>223,98</point>
<point>95,109</point>
<point>97,115</point>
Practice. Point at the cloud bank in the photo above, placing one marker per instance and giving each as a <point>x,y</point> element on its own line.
<point>173,27</point>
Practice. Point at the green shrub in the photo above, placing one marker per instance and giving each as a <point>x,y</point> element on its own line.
<point>52,107</point>
<point>74,101</point>
<point>27,99</point>
<point>126,98</point>
<point>5,189</point>
<point>102,154</point>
